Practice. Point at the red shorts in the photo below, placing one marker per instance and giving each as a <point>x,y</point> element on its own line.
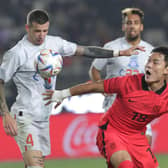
<point>110,141</point>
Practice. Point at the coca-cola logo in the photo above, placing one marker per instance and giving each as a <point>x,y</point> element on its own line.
<point>80,137</point>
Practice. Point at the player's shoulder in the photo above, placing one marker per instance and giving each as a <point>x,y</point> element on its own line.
<point>114,43</point>
<point>146,44</point>
<point>133,78</point>
<point>17,49</point>
<point>136,76</point>
<point>54,38</point>
<point>55,41</point>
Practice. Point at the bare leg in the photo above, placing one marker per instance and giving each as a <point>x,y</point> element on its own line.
<point>33,158</point>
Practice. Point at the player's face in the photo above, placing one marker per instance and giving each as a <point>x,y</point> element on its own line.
<point>132,27</point>
<point>155,69</point>
<point>37,32</point>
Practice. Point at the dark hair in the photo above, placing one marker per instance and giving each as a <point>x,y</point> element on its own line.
<point>162,50</point>
<point>39,16</point>
<point>128,11</point>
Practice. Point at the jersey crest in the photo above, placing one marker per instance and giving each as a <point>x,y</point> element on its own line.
<point>133,64</point>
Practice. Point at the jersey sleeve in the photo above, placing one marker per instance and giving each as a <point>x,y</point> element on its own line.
<point>99,64</point>
<point>114,85</point>
<point>10,63</point>
<point>122,85</point>
<point>67,48</point>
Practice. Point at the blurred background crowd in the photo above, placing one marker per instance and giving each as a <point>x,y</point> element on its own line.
<point>87,22</point>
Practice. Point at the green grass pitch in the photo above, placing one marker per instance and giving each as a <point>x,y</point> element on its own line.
<point>76,163</point>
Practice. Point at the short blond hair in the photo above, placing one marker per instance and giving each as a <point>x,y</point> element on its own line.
<point>129,11</point>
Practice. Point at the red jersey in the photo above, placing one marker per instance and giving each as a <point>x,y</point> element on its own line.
<point>135,106</point>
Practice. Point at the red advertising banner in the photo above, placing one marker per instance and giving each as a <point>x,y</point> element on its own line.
<point>73,135</point>
<point>159,135</point>
<point>8,147</point>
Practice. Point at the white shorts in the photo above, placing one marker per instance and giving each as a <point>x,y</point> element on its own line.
<point>33,135</point>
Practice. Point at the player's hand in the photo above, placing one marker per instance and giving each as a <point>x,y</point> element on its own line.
<point>132,51</point>
<point>53,96</point>
<point>9,124</point>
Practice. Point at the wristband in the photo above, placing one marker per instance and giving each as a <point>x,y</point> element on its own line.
<point>116,53</point>
<point>66,93</point>
<point>60,95</point>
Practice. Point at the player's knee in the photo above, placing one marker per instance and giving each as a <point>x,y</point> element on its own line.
<point>33,159</point>
<point>118,157</point>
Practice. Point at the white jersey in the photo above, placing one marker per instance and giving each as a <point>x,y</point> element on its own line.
<point>121,66</point>
<point>18,64</point>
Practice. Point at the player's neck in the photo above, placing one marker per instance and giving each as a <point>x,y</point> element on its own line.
<point>134,42</point>
<point>155,86</point>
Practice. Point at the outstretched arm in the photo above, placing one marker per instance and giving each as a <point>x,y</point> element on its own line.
<point>58,95</point>
<point>90,87</point>
<point>98,52</point>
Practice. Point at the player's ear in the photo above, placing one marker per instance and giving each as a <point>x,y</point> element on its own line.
<point>166,70</point>
<point>142,27</point>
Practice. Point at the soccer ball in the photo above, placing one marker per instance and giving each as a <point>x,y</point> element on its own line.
<point>48,63</point>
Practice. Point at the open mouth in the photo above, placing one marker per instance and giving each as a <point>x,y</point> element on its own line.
<point>147,72</point>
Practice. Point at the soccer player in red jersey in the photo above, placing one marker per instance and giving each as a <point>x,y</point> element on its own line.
<point>140,99</point>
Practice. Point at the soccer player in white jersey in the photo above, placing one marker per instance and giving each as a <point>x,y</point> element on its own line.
<point>29,117</point>
<point>132,26</point>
